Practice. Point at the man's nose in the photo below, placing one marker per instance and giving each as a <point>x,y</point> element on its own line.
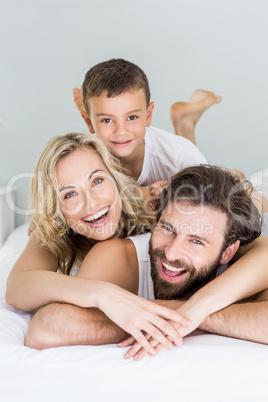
<point>175,249</point>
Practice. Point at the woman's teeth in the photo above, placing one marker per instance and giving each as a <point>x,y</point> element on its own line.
<point>98,215</point>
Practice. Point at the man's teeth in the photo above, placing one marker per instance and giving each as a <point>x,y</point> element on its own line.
<point>170,268</point>
<point>98,214</point>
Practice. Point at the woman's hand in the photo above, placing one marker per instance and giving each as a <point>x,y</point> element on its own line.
<point>195,313</point>
<point>141,318</point>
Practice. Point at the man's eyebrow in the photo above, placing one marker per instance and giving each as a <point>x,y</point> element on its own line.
<point>111,115</point>
<point>88,178</point>
<point>201,238</point>
<point>165,222</point>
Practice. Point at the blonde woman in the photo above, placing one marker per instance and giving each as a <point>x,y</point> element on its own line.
<point>79,197</point>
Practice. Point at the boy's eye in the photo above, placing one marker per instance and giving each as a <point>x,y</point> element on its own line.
<point>133,117</point>
<point>106,121</point>
<point>98,180</point>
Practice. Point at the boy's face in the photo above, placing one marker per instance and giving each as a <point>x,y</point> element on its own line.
<point>120,122</point>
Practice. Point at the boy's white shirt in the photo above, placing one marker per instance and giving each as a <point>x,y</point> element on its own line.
<point>165,154</point>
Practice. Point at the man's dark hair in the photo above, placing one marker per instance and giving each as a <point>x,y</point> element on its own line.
<point>216,188</point>
<point>113,77</point>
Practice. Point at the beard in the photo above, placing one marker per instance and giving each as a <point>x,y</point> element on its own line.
<point>174,290</point>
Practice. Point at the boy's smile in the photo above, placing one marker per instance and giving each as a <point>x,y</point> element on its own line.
<point>121,122</point>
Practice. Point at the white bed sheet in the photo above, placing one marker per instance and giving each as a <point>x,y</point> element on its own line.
<point>206,368</point>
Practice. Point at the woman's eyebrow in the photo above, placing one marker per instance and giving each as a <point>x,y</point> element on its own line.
<point>75,185</point>
<point>67,187</point>
<point>92,173</point>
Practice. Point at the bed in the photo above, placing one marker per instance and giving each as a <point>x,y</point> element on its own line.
<point>206,368</point>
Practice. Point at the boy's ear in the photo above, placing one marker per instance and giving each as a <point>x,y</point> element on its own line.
<point>149,114</point>
<point>88,122</point>
<point>229,252</point>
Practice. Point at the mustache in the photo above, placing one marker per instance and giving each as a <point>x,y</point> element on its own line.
<point>178,263</point>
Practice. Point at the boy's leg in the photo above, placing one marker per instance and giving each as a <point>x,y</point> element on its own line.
<point>185,115</point>
<point>78,99</point>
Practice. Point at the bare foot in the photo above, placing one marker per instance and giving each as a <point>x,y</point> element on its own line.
<point>238,173</point>
<point>260,202</point>
<point>78,99</point>
<point>185,115</point>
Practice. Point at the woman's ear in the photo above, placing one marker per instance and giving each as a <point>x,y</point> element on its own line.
<point>229,252</point>
<point>88,122</point>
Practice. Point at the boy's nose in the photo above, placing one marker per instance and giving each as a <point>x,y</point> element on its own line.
<point>120,128</point>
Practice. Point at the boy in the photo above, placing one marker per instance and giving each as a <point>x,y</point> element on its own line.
<point>116,98</point>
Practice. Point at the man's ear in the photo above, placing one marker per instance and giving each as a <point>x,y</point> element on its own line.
<point>229,252</point>
<point>88,122</point>
<point>149,114</point>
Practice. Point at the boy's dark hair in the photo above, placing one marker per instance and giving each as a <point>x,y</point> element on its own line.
<point>114,77</point>
<point>217,188</point>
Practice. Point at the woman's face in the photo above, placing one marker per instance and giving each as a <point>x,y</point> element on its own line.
<point>91,203</point>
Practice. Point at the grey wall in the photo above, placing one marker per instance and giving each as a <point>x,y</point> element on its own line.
<point>48,45</point>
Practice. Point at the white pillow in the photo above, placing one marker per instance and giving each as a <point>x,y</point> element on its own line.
<point>18,238</point>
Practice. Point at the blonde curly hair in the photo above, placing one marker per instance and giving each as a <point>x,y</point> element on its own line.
<point>51,229</point>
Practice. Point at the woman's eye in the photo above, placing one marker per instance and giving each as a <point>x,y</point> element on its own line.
<point>98,180</point>
<point>69,195</point>
<point>106,121</point>
<point>133,117</point>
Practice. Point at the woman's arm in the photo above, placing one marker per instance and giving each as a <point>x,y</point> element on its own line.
<point>33,283</point>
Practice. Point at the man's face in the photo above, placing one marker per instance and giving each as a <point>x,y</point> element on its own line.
<point>120,121</point>
<point>185,248</point>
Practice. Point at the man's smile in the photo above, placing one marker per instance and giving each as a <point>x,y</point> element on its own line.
<point>171,273</point>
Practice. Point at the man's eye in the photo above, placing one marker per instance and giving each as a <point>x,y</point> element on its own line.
<point>106,121</point>
<point>168,228</point>
<point>198,242</point>
<point>69,195</point>
<point>98,180</point>
<point>133,117</point>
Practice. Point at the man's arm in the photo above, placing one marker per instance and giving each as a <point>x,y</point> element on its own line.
<point>66,325</point>
<point>246,320</point>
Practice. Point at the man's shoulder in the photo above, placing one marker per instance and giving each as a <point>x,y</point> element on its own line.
<point>141,244</point>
